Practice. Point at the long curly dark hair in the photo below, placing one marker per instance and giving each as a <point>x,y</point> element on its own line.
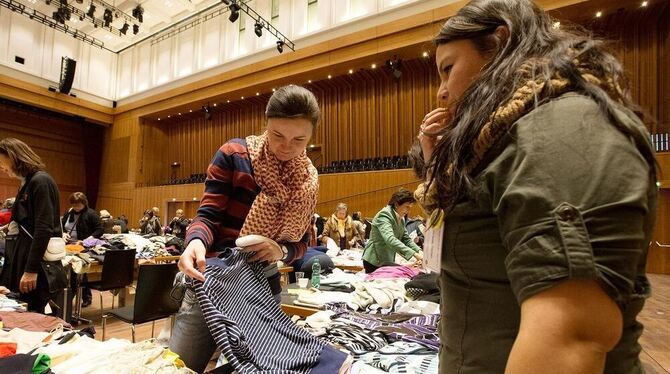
<point>535,50</point>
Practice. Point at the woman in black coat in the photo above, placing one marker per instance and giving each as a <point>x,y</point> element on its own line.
<point>34,222</point>
<point>80,221</point>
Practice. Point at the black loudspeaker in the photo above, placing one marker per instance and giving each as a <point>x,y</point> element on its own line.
<point>114,104</point>
<point>67,67</point>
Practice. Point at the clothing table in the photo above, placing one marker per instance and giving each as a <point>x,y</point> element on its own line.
<point>354,268</point>
<point>291,309</point>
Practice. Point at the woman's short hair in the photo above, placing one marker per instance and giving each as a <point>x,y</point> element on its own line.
<point>293,102</point>
<point>78,198</point>
<point>402,196</point>
<point>24,160</point>
<point>341,206</point>
<point>356,216</point>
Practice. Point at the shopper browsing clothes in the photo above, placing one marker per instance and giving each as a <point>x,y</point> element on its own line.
<point>545,177</point>
<point>263,185</point>
<point>35,220</point>
<point>389,235</point>
<point>81,222</point>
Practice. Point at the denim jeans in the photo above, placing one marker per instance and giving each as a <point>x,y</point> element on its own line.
<point>191,338</point>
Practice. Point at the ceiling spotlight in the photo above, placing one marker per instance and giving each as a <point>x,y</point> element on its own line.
<point>242,97</point>
<point>107,17</point>
<point>273,90</point>
<point>374,66</point>
<point>168,116</point>
<point>208,112</point>
<point>57,16</point>
<point>91,10</point>
<point>179,114</point>
<point>138,12</point>
<point>329,76</point>
<point>394,66</point>
<point>214,104</point>
<point>258,93</point>
<point>234,11</point>
<point>351,71</point>
<point>159,118</point>
<point>136,29</point>
<point>309,81</point>
<point>190,110</point>
<point>280,46</point>
<point>599,14</point>
<point>425,54</point>
<point>258,28</point>
<point>228,101</point>
<point>124,28</point>
<point>644,3</point>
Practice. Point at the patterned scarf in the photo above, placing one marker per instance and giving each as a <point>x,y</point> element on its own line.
<point>283,209</point>
<point>502,119</point>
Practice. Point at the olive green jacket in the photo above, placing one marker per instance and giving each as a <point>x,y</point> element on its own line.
<point>565,195</point>
<point>388,237</point>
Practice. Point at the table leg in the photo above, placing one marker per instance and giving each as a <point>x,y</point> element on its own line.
<point>76,316</point>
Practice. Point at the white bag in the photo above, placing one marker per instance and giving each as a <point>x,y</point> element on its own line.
<point>55,249</point>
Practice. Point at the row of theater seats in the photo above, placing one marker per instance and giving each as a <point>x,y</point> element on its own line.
<point>367,164</point>
<point>347,166</point>
<point>194,178</point>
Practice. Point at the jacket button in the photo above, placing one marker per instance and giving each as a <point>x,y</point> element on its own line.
<point>567,213</point>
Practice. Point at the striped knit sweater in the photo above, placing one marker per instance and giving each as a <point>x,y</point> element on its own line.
<point>230,190</point>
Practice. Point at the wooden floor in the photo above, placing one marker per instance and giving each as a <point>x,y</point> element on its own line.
<point>655,317</point>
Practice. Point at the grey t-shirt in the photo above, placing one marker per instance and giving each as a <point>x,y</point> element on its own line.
<point>71,227</point>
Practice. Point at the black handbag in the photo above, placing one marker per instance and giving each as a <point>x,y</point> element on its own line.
<point>55,275</point>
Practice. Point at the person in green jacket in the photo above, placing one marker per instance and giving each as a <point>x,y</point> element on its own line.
<point>389,236</point>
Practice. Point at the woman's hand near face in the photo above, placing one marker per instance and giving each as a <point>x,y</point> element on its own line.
<point>432,124</point>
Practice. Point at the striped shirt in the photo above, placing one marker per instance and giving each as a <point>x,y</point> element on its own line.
<point>250,328</point>
<point>230,190</point>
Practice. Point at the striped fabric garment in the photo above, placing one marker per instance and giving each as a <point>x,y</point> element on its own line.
<point>403,357</point>
<point>356,339</point>
<point>249,327</point>
<point>420,329</point>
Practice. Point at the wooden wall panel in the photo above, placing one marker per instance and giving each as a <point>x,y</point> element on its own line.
<point>192,141</point>
<point>367,192</point>
<point>641,40</point>
<point>59,143</point>
<point>658,260</point>
<point>366,114</point>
